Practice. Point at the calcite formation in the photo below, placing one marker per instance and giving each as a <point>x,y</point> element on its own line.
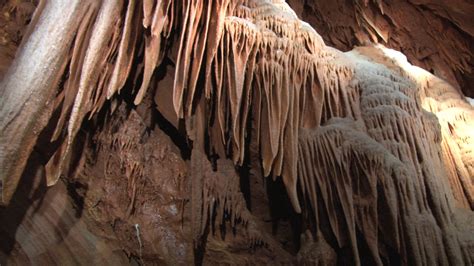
<point>352,168</point>
<point>377,155</point>
<point>433,34</point>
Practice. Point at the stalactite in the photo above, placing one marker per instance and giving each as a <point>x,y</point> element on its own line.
<point>222,199</point>
<point>153,43</point>
<point>126,49</point>
<point>360,197</point>
<point>351,170</point>
<point>254,52</point>
<point>28,89</point>
<point>348,128</point>
<point>453,114</point>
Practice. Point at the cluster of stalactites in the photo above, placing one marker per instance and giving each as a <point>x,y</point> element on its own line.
<point>253,61</point>
<point>381,164</point>
<point>262,65</point>
<point>241,61</point>
<point>449,111</point>
<point>348,178</point>
<point>350,131</point>
<point>102,55</point>
<point>456,118</point>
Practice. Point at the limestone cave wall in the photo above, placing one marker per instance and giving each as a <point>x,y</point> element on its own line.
<point>232,132</point>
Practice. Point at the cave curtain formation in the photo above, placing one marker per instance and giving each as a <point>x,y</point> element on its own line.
<point>373,151</point>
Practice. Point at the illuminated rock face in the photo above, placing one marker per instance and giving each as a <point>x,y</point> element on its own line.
<point>380,177</point>
<point>419,28</point>
<point>376,156</point>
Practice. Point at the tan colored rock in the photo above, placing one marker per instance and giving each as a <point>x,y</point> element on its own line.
<point>374,153</point>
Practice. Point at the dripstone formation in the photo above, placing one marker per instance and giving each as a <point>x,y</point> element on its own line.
<point>182,117</point>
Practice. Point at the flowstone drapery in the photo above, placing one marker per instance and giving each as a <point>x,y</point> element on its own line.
<point>375,153</point>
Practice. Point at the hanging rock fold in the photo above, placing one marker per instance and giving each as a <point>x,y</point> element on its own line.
<point>378,154</point>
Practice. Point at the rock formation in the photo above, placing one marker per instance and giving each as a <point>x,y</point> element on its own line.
<point>435,35</point>
<point>163,116</point>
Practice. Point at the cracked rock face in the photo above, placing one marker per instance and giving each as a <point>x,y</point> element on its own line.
<point>229,132</point>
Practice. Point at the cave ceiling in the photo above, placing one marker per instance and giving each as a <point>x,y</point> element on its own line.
<point>210,132</point>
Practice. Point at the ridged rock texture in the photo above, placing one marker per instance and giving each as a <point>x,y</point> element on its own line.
<point>434,34</point>
<point>162,116</point>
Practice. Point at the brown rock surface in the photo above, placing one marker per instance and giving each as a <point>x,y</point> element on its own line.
<point>435,35</point>
<point>14,17</point>
<point>228,132</point>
